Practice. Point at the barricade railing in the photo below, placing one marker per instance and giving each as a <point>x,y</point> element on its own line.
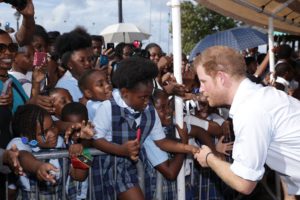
<point>64,155</point>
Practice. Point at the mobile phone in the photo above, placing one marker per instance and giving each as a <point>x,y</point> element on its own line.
<point>81,162</point>
<point>103,59</point>
<point>6,84</point>
<point>40,58</point>
<point>18,4</point>
<point>110,46</point>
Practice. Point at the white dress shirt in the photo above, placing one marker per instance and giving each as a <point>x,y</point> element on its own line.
<point>266,125</point>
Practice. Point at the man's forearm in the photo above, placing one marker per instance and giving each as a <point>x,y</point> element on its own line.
<point>222,169</point>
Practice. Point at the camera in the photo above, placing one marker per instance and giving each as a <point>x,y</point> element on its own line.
<point>18,4</point>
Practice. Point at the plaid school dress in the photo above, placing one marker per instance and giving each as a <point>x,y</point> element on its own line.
<point>169,188</point>
<point>42,190</point>
<point>113,174</point>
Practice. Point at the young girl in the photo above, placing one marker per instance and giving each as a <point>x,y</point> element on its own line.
<point>122,124</point>
<point>34,130</point>
<point>161,167</point>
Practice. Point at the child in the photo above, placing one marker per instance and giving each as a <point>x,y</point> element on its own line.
<point>76,113</point>
<point>122,123</point>
<point>159,162</point>
<point>33,129</point>
<point>60,97</point>
<point>95,89</point>
<point>210,128</point>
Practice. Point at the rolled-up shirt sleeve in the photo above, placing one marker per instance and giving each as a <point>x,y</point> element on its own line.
<point>252,139</point>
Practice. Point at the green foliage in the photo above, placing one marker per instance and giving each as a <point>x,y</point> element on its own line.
<point>197,22</point>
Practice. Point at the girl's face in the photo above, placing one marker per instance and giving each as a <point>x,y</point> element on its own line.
<point>39,44</point>
<point>155,54</point>
<point>24,60</point>
<point>60,98</point>
<point>127,52</point>
<point>164,110</point>
<point>98,87</point>
<point>81,61</point>
<point>138,97</point>
<point>47,137</point>
<point>7,52</point>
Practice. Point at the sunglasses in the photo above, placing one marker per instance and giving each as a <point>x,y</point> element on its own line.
<point>12,47</point>
<point>32,143</point>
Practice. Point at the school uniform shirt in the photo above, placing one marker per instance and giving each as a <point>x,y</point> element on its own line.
<point>103,119</point>
<point>92,106</point>
<point>24,79</point>
<point>267,130</point>
<point>68,82</point>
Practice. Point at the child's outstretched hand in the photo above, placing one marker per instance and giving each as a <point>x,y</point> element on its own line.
<point>87,131</point>
<point>132,148</point>
<point>224,147</point>
<point>183,133</point>
<point>46,172</point>
<point>81,130</point>
<point>75,150</point>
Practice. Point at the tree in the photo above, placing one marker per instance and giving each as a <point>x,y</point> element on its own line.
<point>197,22</point>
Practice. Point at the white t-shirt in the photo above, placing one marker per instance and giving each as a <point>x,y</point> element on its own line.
<point>267,130</point>
<point>68,82</point>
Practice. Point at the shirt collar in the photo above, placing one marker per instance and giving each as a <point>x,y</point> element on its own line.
<point>241,94</point>
<point>117,96</point>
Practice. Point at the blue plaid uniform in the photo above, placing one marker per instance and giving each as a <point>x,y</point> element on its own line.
<point>46,191</point>
<point>118,174</point>
<point>169,188</point>
<point>210,185</point>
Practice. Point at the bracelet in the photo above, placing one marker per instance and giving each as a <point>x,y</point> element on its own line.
<point>207,157</point>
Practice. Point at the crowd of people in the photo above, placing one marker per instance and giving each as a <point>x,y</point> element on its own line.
<point>71,91</point>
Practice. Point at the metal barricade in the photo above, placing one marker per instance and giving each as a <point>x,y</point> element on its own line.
<point>64,154</point>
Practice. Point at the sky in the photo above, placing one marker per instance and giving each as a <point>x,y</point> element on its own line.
<point>152,16</point>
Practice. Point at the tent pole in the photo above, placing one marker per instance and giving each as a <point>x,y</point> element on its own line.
<point>271,45</point>
<point>176,29</point>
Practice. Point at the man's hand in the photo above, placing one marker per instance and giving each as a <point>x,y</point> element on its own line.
<point>11,159</point>
<point>202,155</point>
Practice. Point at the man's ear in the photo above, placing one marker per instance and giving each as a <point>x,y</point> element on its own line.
<point>222,77</point>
